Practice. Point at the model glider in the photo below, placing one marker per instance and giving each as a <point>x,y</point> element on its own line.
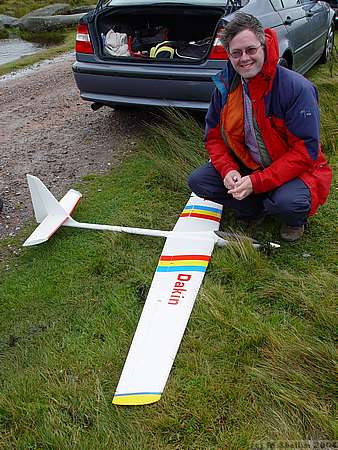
<point>175,285</point>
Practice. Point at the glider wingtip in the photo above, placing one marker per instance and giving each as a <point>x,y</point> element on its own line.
<point>30,242</point>
<point>136,399</point>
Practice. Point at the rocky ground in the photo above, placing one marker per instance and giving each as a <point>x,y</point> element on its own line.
<point>48,131</point>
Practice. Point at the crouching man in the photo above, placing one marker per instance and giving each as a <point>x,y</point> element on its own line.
<point>262,135</point>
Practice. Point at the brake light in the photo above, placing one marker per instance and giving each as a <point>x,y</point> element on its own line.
<point>83,44</point>
<point>217,50</point>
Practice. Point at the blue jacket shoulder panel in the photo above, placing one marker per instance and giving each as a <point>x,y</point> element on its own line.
<point>290,87</point>
<point>212,119</point>
<point>294,99</point>
<point>223,79</point>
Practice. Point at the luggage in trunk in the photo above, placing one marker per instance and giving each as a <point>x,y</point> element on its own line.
<point>160,32</point>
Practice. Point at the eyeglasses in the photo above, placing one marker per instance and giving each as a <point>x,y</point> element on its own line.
<point>250,51</point>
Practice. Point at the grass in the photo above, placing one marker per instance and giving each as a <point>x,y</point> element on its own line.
<point>257,361</point>
<point>19,9</point>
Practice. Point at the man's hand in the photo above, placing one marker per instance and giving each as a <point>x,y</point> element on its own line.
<point>231,178</point>
<point>242,188</point>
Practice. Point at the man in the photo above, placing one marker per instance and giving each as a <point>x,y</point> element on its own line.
<point>262,135</point>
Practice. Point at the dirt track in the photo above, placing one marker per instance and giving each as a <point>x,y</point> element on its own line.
<point>48,131</point>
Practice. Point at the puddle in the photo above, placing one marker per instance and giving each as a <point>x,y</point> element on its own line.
<point>12,49</point>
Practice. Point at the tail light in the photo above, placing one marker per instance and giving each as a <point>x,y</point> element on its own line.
<point>217,50</point>
<point>83,44</point>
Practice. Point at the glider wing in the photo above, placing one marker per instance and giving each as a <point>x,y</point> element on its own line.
<point>170,300</point>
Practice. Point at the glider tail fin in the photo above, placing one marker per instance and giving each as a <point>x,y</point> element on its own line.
<point>49,213</point>
<point>44,202</point>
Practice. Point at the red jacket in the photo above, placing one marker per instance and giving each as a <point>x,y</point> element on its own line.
<point>286,122</point>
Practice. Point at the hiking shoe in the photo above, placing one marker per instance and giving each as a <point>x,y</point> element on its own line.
<point>291,234</point>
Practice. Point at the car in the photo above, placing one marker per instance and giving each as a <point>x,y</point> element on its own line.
<point>160,53</point>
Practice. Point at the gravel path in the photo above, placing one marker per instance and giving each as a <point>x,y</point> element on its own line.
<point>48,131</point>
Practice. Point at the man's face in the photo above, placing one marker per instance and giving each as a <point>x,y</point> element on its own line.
<point>246,65</point>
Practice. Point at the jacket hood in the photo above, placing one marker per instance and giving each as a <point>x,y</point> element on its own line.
<point>271,55</point>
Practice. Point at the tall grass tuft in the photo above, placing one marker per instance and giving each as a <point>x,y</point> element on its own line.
<point>176,145</point>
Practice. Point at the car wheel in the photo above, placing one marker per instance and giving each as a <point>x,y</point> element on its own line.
<point>328,46</point>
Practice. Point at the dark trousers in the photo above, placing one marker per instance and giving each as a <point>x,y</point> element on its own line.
<point>290,202</point>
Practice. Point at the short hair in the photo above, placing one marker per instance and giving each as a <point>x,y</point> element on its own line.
<point>241,22</point>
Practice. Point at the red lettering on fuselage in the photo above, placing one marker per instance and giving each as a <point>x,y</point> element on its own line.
<point>179,289</point>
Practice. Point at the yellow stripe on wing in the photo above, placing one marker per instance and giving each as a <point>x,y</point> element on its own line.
<point>136,399</point>
<point>201,211</point>
<point>184,262</point>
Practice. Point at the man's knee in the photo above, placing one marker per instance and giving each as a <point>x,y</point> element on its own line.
<point>206,181</point>
<point>284,205</point>
<point>194,181</point>
<point>198,184</point>
<point>289,200</point>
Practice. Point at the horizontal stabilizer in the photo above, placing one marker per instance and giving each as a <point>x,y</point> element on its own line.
<point>70,200</point>
<point>46,229</point>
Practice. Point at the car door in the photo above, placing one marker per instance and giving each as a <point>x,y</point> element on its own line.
<point>296,21</point>
<point>317,16</point>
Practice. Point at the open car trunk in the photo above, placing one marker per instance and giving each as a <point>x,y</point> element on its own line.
<point>160,32</point>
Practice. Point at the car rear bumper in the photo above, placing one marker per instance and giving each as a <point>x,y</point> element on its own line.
<point>144,85</point>
<point>116,100</point>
